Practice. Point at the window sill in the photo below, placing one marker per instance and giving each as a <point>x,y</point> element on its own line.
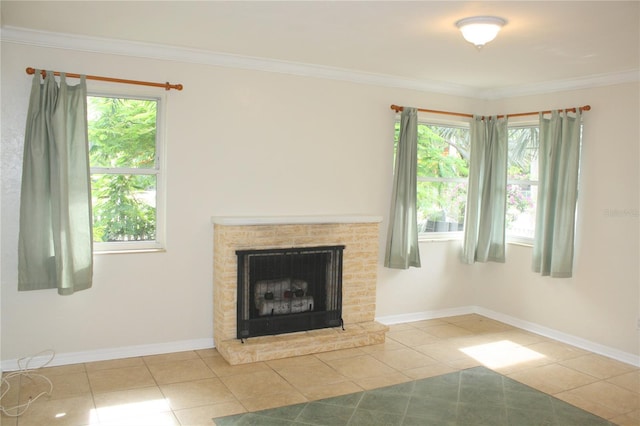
<point>130,251</point>
<point>458,237</point>
<point>427,238</point>
<point>521,243</point>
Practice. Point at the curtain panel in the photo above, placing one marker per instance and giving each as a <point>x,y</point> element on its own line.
<point>559,159</point>
<point>55,237</point>
<point>484,230</point>
<point>402,249</point>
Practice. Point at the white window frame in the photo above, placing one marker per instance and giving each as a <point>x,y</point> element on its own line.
<point>159,244</point>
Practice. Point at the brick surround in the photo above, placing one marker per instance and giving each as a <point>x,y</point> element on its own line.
<point>360,262</point>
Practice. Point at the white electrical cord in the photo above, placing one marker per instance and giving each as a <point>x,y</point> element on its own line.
<point>25,371</point>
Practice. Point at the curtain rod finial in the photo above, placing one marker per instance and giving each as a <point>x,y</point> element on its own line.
<point>168,86</point>
<point>32,71</point>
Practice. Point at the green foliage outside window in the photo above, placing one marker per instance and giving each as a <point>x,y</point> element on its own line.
<point>443,169</point>
<point>122,151</point>
<point>443,153</point>
<point>522,176</point>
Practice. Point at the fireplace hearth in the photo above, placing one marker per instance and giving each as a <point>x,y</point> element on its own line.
<point>289,290</point>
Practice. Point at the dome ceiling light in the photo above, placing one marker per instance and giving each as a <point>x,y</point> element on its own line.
<point>480,30</point>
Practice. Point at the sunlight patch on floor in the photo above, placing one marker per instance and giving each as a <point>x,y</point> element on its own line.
<point>155,412</point>
<point>501,354</point>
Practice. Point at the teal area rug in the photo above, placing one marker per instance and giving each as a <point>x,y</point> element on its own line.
<point>472,397</point>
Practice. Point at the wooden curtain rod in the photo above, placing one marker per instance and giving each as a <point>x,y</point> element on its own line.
<point>397,108</point>
<point>166,85</point>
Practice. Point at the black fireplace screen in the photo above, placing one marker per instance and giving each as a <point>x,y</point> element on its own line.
<point>289,290</point>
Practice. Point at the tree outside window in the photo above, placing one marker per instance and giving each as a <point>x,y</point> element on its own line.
<point>522,182</point>
<point>443,172</point>
<point>124,168</point>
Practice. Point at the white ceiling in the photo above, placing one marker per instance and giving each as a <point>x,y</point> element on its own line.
<point>543,43</point>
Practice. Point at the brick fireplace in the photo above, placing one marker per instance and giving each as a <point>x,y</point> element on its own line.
<point>359,235</point>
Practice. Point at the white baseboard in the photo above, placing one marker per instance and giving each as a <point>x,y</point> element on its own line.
<point>426,315</point>
<point>42,358</point>
<point>579,342</point>
<point>560,336</point>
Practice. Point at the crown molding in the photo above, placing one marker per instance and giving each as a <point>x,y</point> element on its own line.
<point>203,57</point>
<point>587,82</point>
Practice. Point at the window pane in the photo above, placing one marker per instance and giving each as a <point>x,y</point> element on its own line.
<point>441,206</point>
<point>522,181</point>
<point>521,212</point>
<point>523,153</point>
<point>122,132</point>
<point>443,152</point>
<point>443,155</point>
<point>124,207</point>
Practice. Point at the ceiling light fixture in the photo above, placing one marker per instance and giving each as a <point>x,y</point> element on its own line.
<point>480,30</point>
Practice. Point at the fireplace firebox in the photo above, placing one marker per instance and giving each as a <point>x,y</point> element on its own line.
<point>289,290</point>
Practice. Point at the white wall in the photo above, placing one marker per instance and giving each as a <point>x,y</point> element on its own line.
<point>239,143</point>
<point>601,302</point>
<point>255,143</point>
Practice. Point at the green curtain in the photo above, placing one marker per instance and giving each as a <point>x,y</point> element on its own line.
<point>559,160</point>
<point>402,238</point>
<point>484,227</point>
<point>55,238</point>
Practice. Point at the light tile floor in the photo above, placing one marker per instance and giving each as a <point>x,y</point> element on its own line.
<point>191,388</point>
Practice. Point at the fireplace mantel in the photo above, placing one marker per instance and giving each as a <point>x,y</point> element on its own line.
<point>292,220</point>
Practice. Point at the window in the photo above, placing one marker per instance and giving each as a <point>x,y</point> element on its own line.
<point>443,171</point>
<point>126,178</point>
<point>522,183</point>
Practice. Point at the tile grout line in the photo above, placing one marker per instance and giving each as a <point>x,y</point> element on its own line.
<point>236,399</point>
<point>173,413</point>
<point>93,395</point>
